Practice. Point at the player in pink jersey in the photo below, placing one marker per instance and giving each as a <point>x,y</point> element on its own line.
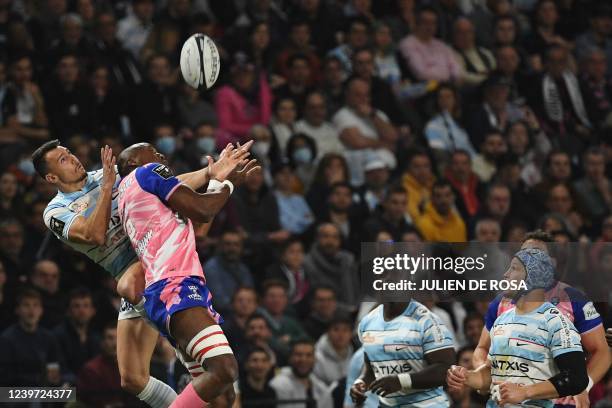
<point>156,211</point>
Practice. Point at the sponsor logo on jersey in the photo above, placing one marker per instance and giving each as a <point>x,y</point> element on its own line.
<point>163,171</point>
<point>589,311</point>
<point>390,368</point>
<point>510,366</point>
<point>368,338</point>
<point>498,331</point>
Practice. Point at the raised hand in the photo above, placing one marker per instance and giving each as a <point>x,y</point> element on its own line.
<point>239,175</point>
<point>229,160</point>
<point>108,167</point>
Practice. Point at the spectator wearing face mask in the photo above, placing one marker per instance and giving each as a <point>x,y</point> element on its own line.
<point>167,143</point>
<point>302,151</point>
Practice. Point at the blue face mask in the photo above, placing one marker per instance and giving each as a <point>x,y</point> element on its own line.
<point>206,144</point>
<point>302,155</point>
<point>27,167</point>
<point>166,145</point>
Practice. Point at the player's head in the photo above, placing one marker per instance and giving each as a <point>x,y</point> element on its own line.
<point>138,155</point>
<point>57,165</point>
<point>533,266</point>
<point>537,239</point>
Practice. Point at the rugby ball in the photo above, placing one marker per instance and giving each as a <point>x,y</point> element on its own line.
<point>200,62</point>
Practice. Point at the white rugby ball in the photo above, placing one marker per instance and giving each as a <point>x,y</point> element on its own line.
<point>200,62</point>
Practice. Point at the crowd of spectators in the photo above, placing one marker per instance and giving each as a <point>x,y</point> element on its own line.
<point>373,120</point>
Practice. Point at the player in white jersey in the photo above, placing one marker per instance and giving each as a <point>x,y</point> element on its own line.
<point>84,216</point>
<point>535,354</point>
<point>407,351</point>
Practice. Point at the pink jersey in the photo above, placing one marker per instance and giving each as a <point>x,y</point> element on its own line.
<point>162,239</point>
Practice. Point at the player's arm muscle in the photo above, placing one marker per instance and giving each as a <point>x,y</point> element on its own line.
<point>367,374</point>
<point>595,345</point>
<point>434,374</point>
<point>92,230</point>
<point>482,349</point>
<point>195,179</point>
<point>198,207</point>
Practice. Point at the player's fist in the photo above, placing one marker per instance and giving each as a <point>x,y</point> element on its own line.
<point>357,392</point>
<point>510,393</point>
<point>386,385</point>
<point>456,376</point>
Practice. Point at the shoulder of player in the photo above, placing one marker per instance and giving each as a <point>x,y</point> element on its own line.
<point>551,313</point>
<point>149,169</point>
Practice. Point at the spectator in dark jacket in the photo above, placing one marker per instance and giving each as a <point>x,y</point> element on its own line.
<point>31,352</point>
<point>77,340</point>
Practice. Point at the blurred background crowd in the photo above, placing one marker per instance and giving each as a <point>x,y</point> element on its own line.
<point>374,120</point>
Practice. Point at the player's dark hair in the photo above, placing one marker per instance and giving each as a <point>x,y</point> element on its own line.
<point>539,235</point>
<point>39,157</point>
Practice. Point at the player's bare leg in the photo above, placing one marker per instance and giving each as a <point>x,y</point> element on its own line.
<point>131,285</point>
<point>135,345</point>
<point>199,336</point>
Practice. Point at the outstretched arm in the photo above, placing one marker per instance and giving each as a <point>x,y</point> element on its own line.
<point>92,230</point>
<point>203,207</point>
<point>229,158</point>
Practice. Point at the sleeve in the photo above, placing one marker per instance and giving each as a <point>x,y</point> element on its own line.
<point>433,133</point>
<point>59,218</point>
<point>158,180</point>
<point>586,316</point>
<point>563,337</point>
<point>491,315</point>
<point>436,335</point>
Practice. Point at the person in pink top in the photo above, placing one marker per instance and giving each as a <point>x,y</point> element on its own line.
<point>427,57</point>
<point>247,101</point>
<point>156,211</point>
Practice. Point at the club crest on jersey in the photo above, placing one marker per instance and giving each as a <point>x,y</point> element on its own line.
<point>163,171</point>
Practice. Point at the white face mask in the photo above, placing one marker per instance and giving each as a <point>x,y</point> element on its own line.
<point>261,149</point>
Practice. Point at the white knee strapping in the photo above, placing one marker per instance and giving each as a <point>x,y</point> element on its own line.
<point>210,342</point>
<point>193,367</point>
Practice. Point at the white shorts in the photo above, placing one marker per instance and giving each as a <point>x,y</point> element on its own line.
<point>128,311</point>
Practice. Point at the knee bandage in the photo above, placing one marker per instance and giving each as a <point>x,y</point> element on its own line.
<point>193,367</point>
<point>208,343</point>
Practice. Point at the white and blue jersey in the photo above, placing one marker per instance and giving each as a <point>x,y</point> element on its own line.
<point>523,347</point>
<point>117,253</point>
<point>400,345</point>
